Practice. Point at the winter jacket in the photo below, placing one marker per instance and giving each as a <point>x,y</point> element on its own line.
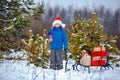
<point>59,38</point>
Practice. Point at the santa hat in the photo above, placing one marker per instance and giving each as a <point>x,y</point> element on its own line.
<point>57,20</point>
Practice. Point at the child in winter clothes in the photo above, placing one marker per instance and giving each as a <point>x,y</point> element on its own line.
<point>58,40</point>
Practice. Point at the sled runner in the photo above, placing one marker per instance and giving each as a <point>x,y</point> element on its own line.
<point>67,55</point>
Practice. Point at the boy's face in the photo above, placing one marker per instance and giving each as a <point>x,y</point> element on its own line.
<point>57,25</point>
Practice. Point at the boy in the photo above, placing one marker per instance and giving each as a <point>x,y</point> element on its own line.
<point>58,40</point>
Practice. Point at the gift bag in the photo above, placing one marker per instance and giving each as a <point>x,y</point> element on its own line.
<point>86,59</point>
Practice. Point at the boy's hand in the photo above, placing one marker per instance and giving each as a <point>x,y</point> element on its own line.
<point>50,39</point>
<point>66,50</point>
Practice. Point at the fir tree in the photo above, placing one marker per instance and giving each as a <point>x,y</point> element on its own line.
<point>14,17</point>
<point>37,46</point>
<point>37,49</point>
<point>88,34</point>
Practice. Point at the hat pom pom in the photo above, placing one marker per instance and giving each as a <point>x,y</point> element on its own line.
<point>63,25</point>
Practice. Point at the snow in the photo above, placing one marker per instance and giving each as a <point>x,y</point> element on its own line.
<point>19,70</point>
<point>16,54</point>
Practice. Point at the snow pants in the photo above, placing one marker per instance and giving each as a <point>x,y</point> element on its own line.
<point>56,61</point>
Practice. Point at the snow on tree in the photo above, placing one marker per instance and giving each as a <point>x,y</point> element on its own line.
<point>88,34</point>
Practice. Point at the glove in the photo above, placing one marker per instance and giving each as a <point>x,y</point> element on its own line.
<point>66,50</point>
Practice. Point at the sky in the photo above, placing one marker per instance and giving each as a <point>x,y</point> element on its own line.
<point>110,4</point>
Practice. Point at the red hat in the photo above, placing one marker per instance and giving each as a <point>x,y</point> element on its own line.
<point>57,20</point>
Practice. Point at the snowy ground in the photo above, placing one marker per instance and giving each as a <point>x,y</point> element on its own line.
<point>19,70</point>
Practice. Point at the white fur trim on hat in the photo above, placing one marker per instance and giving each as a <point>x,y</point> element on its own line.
<point>57,22</point>
<point>63,25</point>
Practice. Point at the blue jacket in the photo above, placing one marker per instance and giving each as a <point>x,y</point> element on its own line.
<point>59,38</point>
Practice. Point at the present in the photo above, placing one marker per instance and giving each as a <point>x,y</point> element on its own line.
<point>96,58</point>
<point>99,58</point>
<point>100,53</point>
<point>99,48</point>
<point>98,61</point>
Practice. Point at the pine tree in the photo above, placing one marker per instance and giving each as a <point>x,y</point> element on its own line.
<point>88,34</point>
<point>14,17</point>
<point>37,46</point>
<point>37,49</point>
